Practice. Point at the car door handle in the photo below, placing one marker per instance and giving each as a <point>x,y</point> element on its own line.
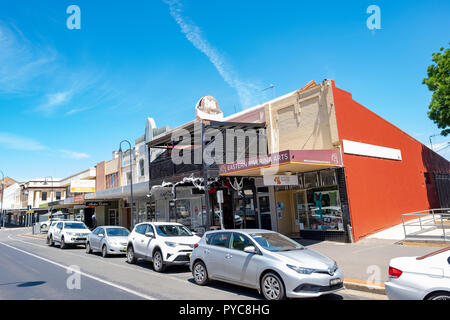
<point>206,251</point>
<point>228,256</point>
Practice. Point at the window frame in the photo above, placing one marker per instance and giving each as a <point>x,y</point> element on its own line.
<point>245,236</point>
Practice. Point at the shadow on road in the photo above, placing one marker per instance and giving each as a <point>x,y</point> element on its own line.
<point>31,284</point>
<point>24,284</point>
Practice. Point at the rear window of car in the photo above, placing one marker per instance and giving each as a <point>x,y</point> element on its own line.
<point>221,239</point>
<point>141,228</point>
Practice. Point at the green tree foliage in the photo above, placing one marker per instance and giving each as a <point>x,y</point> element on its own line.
<point>438,81</point>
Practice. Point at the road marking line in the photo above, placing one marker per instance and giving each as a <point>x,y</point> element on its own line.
<point>144,296</point>
<point>105,262</point>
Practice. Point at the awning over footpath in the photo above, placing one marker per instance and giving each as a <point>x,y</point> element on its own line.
<point>292,161</point>
<point>139,190</point>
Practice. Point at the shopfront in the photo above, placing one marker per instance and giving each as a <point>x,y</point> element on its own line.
<point>309,195</point>
<point>313,208</point>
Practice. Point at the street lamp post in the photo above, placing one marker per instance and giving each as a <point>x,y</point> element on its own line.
<point>431,143</point>
<point>1,206</point>
<point>131,180</point>
<point>51,194</point>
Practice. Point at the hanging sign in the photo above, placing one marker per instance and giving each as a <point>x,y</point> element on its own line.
<point>280,180</point>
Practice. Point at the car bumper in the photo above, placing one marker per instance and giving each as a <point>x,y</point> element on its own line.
<point>75,240</point>
<point>118,249</point>
<point>395,290</point>
<point>178,258</point>
<point>313,285</point>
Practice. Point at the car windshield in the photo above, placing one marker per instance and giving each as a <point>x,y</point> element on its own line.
<point>275,242</point>
<point>75,225</point>
<point>117,232</point>
<point>171,230</point>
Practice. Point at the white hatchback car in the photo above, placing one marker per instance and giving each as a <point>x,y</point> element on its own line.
<point>420,278</point>
<point>163,243</point>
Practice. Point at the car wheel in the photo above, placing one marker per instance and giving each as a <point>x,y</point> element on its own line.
<point>158,262</point>
<point>43,226</point>
<point>104,251</point>
<point>50,241</point>
<point>131,258</point>
<point>62,244</point>
<point>200,273</point>
<point>439,296</point>
<point>88,248</point>
<point>272,287</point>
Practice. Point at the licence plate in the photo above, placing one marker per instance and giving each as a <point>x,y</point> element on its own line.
<point>334,282</point>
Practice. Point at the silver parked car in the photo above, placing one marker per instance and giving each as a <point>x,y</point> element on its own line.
<point>420,278</point>
<point>108,240</point>
<point>264,260</point>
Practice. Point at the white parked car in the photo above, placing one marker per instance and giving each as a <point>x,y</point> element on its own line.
<point>163,243</point>
<point>67,233</point>
<point>108,240</point>
<point>420,278</point>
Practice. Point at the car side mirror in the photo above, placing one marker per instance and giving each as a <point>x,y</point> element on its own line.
<point>250,249</point>
<point>149,234</point>
<point>101,235</point>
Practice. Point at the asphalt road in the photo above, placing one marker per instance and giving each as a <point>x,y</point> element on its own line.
<point>32,270</point>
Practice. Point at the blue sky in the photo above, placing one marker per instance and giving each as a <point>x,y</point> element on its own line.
<point>68,97</point>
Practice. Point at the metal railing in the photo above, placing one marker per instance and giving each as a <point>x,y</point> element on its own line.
<point>427,224</point>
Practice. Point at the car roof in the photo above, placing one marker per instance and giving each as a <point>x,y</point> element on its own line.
<point>110,227</point>
<point>162,223</point>
<point>247,231</point>
<point>70,221</point>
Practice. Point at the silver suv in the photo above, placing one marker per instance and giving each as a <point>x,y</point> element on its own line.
<point>264,260</point>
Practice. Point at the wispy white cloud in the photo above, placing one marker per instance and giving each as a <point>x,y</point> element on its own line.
<point>247,91</point>
<point>10,141</point>
<point>73,154</point>
<point>15,142</point>
<point>20,60</point>
<point>55,100</point>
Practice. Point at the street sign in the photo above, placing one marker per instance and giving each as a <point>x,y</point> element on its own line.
<point>98,204</point>
<point>219,196</point>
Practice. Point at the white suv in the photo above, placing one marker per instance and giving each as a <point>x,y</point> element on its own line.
<point>163,243</point>
<point>67,233</point>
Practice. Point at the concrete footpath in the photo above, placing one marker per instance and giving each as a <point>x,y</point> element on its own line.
<point>366,263</point>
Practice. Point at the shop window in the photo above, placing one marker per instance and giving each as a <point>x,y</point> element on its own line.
<point>58,195</point>
<point>311,180</point>
<point>44,196</point>
<point>301,180</point>
<point>183,211</point>
<point>328,178</point>
<point>141,167</point>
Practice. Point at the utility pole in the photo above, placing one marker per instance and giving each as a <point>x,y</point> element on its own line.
<point>1,206</point>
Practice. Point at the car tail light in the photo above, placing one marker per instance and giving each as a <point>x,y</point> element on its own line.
<point>394,273</point>
<point>195,245</point>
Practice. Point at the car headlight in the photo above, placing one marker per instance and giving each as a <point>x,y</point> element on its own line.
<point>301,269</point>
<point>171,244</point>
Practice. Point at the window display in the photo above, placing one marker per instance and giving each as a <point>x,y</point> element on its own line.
<point>318,209</point>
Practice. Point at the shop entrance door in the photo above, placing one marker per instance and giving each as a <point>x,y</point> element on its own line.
<point>246,215</point>
<point>265,220</point>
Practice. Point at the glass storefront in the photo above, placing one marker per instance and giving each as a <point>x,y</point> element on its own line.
<point>317,204</point>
